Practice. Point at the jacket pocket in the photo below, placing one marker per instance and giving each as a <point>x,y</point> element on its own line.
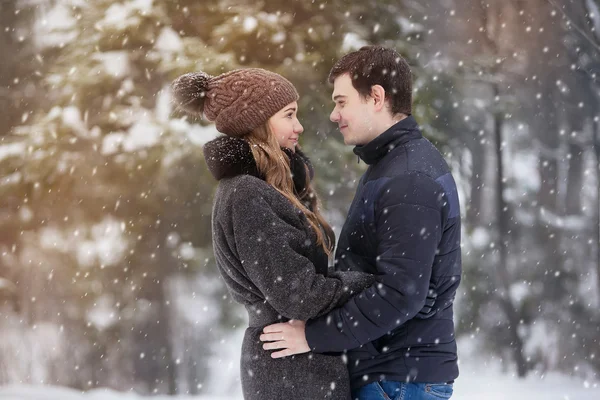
<point>365,352</point>
<point>372,349</point>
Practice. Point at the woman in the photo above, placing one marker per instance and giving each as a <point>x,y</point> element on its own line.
<point>271,243</point>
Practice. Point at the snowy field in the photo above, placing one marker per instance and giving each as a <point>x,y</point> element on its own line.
<point>477,382</point>
<point>469,387</point>
<point>481,378</point>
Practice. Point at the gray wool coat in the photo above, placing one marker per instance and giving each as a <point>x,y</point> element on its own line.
<point>267,255</point>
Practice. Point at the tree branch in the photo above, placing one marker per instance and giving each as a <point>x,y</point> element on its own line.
<point>577,28</point>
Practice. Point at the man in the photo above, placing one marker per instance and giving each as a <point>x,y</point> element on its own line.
<point>404,227</point>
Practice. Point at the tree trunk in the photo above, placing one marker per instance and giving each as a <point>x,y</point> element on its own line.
<point>192,374</point>
<point>168,348</point>
<point>154,361</point>
<point>548,233</point>
<point>502,273</point>
<point>478,171</point>
<point>574,179</point>
<point>597,152</point>
<point>165,317</point>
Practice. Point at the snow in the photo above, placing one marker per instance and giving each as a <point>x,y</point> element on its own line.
<point>588,290</point>
<point>352,41</point>
<point>16,392</point>
<point>143,133</point>
<point>198,306</point>
<point>112,142</point>
<point>250,23</point>
<point>594,15</point>
<point>519,291</point>
<point>12,149</point>
<point>11,179</point>
<point>480,238</point>
<point>543,337</point>
<point>42,345</point>
<point>163,105</point>
<point>25,213</point>
<point>484,376</point>
<point>121,16</point>
<point>107,242</point>
<point>102,316</point>
<point>115,63</point>
<point>570,222</point>
<point>101,243</point>
<point>196,134</point>
<point>5,284</point>
<point>56,27</point>
<point>409,26</point>
<point>476,382</point>
<point>55,112</point>
<point>525,170</point>
<point>169,41</point>
<point>71,117</point>
<point>225,371</point>
<point>187,251</point>
<point>482,382</point>
<point>279,37</point>
<point>481,377</point>
<point>115,15</point>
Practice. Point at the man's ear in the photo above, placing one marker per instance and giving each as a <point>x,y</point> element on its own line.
<point>378,96</point>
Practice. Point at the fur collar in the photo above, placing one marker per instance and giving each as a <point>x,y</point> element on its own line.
<point>228,156</point>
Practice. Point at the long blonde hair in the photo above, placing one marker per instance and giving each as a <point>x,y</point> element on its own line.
<point>274,165</point>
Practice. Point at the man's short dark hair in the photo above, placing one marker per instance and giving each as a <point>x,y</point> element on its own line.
<point>377,65</point>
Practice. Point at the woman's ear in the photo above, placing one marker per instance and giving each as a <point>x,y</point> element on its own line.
<point>378,96</point>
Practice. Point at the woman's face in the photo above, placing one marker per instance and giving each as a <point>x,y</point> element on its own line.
<point>286,127</point>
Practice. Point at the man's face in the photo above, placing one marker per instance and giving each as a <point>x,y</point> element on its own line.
<point>353,114</point>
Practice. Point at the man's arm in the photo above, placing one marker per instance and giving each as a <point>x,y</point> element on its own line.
<point>408,233</point>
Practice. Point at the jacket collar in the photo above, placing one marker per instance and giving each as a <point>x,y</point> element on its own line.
<point>398,134</point>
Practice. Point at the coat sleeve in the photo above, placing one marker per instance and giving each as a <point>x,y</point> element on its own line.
<point>270,249</point>
<point>408,231</point>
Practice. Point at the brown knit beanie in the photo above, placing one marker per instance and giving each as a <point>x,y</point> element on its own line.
<point>238,101</point>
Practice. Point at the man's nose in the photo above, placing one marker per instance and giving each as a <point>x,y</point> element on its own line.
<point>334,116</point>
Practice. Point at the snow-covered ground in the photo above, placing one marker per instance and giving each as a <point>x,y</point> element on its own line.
<point>485,382</point>
<point>481,378</point>
<point>476,382</point>
<point>475,386</point>
<point>59,393</point>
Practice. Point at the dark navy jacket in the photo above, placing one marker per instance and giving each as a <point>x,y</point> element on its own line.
<point>403,226</point>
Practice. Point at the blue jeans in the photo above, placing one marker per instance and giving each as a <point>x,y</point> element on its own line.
<point>391,390</point>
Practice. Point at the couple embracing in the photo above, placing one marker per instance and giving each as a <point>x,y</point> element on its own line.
<point>379,323</point>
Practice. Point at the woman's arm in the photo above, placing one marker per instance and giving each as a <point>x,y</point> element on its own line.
<point>270,249</point>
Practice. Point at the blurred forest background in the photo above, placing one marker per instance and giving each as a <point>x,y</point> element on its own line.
<point>107,277</point>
